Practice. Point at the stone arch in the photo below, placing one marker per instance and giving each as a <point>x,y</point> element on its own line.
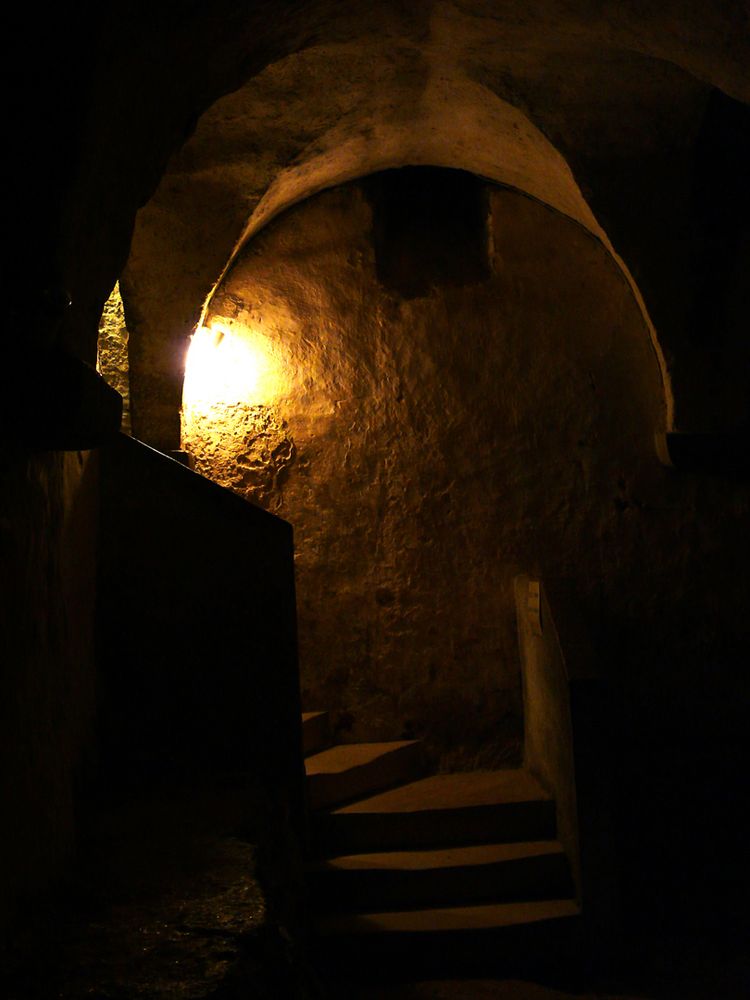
<point>482,135</point>
<point>210,204</point>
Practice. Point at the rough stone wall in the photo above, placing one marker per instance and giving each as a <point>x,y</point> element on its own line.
<point>428,449</point>
<point>47,532</point>
<point>112,353</point>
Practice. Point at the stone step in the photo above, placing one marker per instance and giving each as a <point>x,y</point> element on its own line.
<point>448,919</point>
<point>352,770</point>
<point>401,879</point>
<point>515,940</point>
<point>472,807</point>
<point>316,732</point>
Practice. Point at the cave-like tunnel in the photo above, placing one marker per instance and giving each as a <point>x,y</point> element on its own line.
<point>458,291</point>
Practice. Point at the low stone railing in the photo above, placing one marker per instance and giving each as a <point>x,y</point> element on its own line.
<point>196,631</point>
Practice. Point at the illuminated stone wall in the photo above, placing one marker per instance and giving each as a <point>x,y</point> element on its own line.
<point>112,351</point>
<point>427,449</point>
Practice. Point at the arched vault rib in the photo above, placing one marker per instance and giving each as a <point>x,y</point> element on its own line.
<point>460,124</point>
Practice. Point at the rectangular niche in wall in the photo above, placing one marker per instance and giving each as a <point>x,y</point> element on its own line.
<point>429,228</point>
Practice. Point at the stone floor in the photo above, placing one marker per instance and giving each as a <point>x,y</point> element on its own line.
<point>166,905</point>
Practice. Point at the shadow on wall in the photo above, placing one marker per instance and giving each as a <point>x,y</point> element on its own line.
<point>48,514</point>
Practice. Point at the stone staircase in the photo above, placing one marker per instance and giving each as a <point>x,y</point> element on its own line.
<point>439,874</point>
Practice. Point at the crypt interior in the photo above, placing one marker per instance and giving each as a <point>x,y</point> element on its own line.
<point>390,362</point>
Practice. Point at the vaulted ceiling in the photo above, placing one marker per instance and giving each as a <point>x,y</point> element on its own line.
<point>595,110</point>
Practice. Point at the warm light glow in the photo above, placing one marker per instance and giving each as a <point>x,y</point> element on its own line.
<point>224,367</point>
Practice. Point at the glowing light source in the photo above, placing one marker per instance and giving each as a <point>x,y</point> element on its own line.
<point>224,368</point>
